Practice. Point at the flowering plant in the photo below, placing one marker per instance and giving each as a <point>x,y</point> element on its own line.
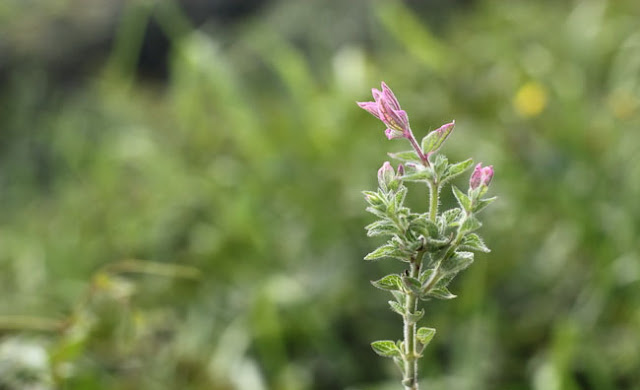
<point>435,245</point>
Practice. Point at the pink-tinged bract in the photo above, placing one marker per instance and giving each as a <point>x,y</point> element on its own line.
<point>434,140</point>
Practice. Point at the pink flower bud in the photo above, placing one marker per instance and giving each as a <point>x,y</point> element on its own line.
<point>481,176</point>
<point>386,175</point>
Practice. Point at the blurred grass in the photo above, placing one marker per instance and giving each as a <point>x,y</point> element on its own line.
<point>248,165</point>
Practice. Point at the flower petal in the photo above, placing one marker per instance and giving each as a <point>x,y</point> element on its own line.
<point>393,134</point>
<point>372,107</point>
<point>388,95</point>
<point>377,95</point>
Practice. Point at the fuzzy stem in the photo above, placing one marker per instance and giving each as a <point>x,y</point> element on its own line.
<point>410,380</point>
<point>434,195</point>
<point>425,160</point>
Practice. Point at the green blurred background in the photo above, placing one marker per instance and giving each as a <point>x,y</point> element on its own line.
<point>220,142</point>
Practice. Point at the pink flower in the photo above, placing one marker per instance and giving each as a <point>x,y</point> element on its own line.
<point>481,176</point>
<point>387,109</point>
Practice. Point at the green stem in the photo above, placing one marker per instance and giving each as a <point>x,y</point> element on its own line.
<point>434,194</point>
<point>410,380</point>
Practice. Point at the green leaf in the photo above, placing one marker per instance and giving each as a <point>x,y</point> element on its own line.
<point>403,248</point>
<point>435,245</point>
<point>424,226</point>
<point>373,198</point>
<point>451,216</point>
<point>412,284</point>
<point>434,140</point>
<point>388,250</point>
<point>419,173</point>
<point>457,169</point>
<point>386,348</point>
<point>390,282</point>
<point>458,262</point>
<point>378,211</point>
<point>406,156</point>
<point>425,335</point>
<point>399,196</point>
<point>415,317</point>
<point>440,165</point>
<point>400,297</point>
<point>424,275</point>
<point>474,242</point>
<point>441,293</point>
<point>470,224</point>
<point>391,208</point>
<point>463,200</point>
<point>381,228</point>
<point>397,307</point>
<point>482,203</point>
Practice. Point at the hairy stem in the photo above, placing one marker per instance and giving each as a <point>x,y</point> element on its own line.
<point>434,195</point>
<point>418,149</point>
<point>410,380</point>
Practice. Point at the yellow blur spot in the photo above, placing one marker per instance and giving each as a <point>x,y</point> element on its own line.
<point>622,103</point>
<point>530,99</point>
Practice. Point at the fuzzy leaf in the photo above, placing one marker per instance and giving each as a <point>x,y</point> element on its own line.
<point>412,284</point>
<point>418,174</point>
<point>482,203</point>
<point>432,141</point>
<point>463,200</point>
<point>400,297</point>
<point>474,242</point>
<point>378,211</point>
<point>425,335</point>
<point>391,208</point>
<point>373,198</point>
<point>390,282</point>
<point>406,156</point>
<point>435,245</point>
<point>381,228</point>
<point>441,293</point>
<point>424,226</point>
<point>440,165</point>
<point>386,348</point>
<point>397,307</point>
<point>458,262</point>
<point>399,196</point>
<point>451,216</point>
<point>424,275</point>
<point>470,224</point>
<point>415,317</point>
<point>387,250</point>
<point>457,169</point>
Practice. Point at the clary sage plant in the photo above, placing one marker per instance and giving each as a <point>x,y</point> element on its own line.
<point>435,245</point>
